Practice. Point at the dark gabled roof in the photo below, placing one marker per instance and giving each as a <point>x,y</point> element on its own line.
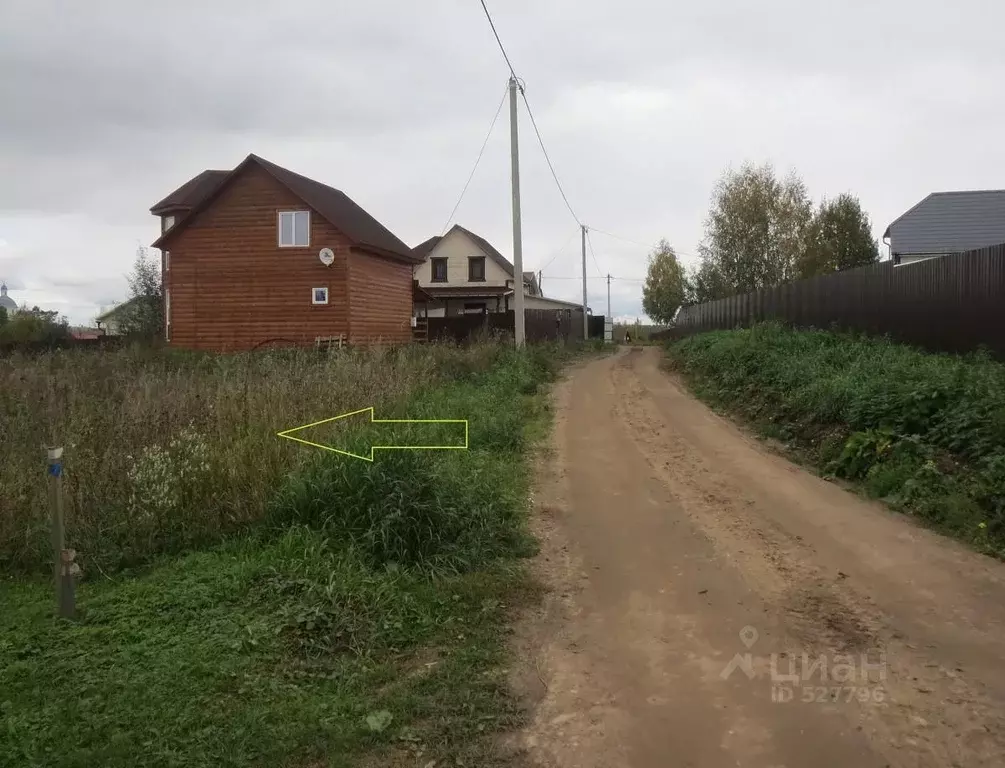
<point>332,204</point>
<point>531,277</point>
<point>421,251</point>
<point>946,222</point>
<point>343,214</point>
<point>191,193</point>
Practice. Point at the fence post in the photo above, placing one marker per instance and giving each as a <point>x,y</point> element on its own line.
<point>62,557</point>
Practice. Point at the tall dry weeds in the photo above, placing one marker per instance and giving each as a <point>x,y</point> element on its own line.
<point>167,450</point>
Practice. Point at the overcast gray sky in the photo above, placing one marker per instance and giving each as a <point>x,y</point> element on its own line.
<point>109,105</point>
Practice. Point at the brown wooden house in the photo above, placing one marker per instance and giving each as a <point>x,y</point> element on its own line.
<point>261,255</point>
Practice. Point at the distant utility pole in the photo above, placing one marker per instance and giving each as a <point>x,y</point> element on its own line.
<point>608,295</point>
<point>519,334</point>
<point>540,279</point>
<point>586,321</point>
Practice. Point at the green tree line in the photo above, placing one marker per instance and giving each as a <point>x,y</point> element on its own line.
<point>32,325</point>
<point>762,230</point>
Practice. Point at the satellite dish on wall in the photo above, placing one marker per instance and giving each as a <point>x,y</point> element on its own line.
<point>327,256</point>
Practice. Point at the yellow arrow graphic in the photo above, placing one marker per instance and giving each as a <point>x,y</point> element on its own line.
<point>288,434</point>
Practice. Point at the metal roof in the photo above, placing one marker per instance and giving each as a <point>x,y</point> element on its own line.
<point>950,222</point>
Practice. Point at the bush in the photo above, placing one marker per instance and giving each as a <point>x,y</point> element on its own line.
<point>445,511</point>
<point>32,326</point>
<point>924,431</point>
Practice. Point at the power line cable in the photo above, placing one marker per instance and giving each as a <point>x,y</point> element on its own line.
<point>494,32</point>
<point>477,161</point>
<point>537,133</point>
<point>618,237</point>
<point>547,157</point>
<point>643,245</point>
<point>559,251</point>
<point>593,253</point>
<point>580,277</point>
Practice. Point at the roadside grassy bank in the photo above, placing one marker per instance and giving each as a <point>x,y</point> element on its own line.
<point>923,432</point>
<point>358,619</point>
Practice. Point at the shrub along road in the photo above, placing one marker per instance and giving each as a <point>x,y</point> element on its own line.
<point>716,605</point>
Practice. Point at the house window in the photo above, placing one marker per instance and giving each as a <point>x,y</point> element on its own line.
<point>167,314</point>
<point>167,261</point>
<point>294,229</point>
<point>474,308</point>
<point>439,267</point>
<point>476,269</point>
<point>166,223</point>
<point>319,295</point>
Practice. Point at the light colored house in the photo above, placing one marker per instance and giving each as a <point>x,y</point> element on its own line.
<point>110,322</point>
<point>462,273</point>
<point>948,222</point>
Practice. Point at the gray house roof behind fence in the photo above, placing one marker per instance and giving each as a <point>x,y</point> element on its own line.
<point>947,222</point>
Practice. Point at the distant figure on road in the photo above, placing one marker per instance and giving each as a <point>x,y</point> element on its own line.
<point>628,338</point>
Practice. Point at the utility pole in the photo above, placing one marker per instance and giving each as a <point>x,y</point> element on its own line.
<point>519,334</point>
<point>608,295</point>
<point>540,279</point>
<point>586,320</point>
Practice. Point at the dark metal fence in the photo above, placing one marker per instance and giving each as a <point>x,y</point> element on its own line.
<point>951,303</point>
<point>596,326</point>
<point>540,325</point>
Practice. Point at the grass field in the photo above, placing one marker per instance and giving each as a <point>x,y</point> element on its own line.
<point>923,432</point>
<point>280,605</point>
<point>166,451</point>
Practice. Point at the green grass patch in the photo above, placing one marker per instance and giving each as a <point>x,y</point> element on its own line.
<point>269,654</point>
<point>361,618</point>
<point>923,432</point>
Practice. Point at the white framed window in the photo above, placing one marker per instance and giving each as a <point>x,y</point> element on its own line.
<point>167,222</point>
<point>167,314</point>
<point>294,229</point>
<point>167,261</point>
<point>319,296</point>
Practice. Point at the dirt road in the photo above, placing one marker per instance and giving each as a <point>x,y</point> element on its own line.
<point>714,605</point>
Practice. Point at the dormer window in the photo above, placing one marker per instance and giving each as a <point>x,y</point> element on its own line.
<point>167,222</point>
<point>294,229</point>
